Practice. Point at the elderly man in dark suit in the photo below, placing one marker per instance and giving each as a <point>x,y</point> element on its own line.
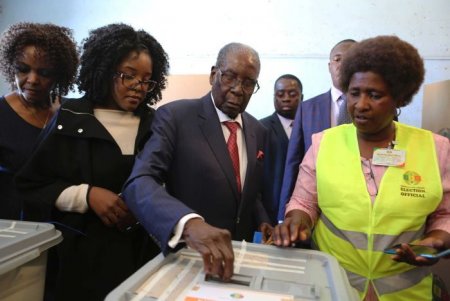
<point>288,93</point>
<point>198,178</point>
<point>314,115</point>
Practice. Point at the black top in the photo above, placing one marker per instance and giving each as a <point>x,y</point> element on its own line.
<point>17,138</point>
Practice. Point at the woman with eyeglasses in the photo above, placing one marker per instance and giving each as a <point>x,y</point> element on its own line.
<point>77,173</point>
<point>40,62</point>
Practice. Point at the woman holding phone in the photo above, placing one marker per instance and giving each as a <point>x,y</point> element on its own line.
<point>370,185</point>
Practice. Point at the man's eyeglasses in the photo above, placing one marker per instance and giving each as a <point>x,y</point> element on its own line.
<point>131,82</point>
<point>249,86</point>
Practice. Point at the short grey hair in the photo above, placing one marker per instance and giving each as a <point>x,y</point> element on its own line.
<point>236,48</point>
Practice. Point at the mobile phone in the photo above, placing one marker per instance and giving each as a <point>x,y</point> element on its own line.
<point>424,251</point>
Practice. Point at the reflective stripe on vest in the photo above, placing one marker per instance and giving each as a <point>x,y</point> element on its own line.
<point>359,239</point>
<point>390,284</point>
<point>394,283</point>
<point>355,231</point>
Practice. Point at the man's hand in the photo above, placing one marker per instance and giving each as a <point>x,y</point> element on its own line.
<point>266,230</point>
<point>296,227</point>
<point>213,244</point>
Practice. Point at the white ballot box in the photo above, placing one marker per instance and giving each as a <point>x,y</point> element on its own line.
<point>261,272</point>
<point>23,258</point>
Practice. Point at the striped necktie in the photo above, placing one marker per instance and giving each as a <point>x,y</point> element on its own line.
<point>233,150</point>
<point>343,116</point>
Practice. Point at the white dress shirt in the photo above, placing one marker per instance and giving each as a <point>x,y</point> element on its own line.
<point>335,94</point>
<point>287,125</point>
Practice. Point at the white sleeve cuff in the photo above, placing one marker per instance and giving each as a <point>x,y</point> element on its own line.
<point>73,199</point>
<point>178,231</point>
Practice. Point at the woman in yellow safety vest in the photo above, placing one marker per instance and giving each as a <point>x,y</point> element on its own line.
<point>375,183</point>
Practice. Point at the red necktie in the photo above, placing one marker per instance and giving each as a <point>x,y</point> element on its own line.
<point>233,150</point>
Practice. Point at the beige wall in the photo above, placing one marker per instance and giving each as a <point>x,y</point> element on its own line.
<point>436,106</point>
<point>185,86</point>
<point>291,36</point>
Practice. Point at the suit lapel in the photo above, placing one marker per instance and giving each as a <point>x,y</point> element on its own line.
<point>250,141</point>
<point>212,131</point>
<point>325,107</point>
<point>278,128</point>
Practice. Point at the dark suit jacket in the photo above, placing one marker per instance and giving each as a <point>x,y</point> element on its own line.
<point>185,167</point>
<point>274,160</point>
<point>313,116</point>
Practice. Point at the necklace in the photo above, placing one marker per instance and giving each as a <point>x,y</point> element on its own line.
<point>46,118</point>
<point>29,108</point>
<point>44,124</point>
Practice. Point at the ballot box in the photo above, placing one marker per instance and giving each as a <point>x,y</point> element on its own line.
<point>23,258</point>
<point>261,272</point>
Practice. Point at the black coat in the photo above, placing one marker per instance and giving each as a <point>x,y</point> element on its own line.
<point>77,149</point>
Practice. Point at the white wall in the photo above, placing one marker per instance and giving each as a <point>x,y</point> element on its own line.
<point>292,36</point>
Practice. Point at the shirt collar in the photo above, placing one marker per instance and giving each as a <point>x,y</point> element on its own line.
<point>335,94</point>
<point>285,122</point>
<point>224,117</point>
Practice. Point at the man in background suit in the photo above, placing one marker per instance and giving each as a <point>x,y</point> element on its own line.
<point>184,185</point>
<point>313,116</point>
<point>288,93</point>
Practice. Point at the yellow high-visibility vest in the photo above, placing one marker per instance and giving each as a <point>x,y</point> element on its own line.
<point>356,232</point>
